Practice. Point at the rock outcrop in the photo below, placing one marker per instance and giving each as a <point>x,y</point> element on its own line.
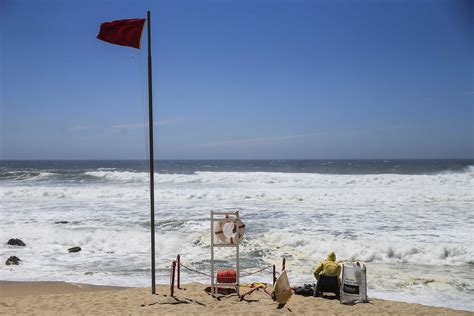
<point>74,249</point>
<point>13,260</point>
<point>16,242</point>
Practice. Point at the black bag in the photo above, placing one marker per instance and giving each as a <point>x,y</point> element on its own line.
<point>306,290</point>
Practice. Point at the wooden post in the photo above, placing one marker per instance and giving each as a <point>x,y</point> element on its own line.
<point>179,271</point>
<point>212,254</point>
<point>283,264</point>
<point>237,253</point>
<point>173,270</point>
<point>274,275</point>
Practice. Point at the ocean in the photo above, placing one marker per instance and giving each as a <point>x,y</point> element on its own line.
<point>410,221</point>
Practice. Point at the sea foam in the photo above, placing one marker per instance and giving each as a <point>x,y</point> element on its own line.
<point>414,231</point>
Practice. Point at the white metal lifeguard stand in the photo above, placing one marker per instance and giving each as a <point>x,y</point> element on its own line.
<point>226,231</point>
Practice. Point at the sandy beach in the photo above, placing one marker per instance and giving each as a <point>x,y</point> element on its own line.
<point>48,298</point>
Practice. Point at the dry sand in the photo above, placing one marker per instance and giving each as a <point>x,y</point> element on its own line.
<point>59,298</point>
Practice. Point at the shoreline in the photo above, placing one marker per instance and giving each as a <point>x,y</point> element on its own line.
<point>49,297</point>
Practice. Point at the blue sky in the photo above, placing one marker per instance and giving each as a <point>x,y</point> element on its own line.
<point>240,80</point>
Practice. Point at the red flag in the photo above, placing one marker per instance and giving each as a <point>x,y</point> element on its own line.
<point>122,32</point>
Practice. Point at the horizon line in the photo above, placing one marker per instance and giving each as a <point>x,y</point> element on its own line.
<point>225,159</point>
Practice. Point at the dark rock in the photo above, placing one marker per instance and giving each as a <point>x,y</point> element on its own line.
<point>13,260</point>
<point>61,222</point>
<point>74,249</point>
<point>89,273</point>
<point>16,242</point>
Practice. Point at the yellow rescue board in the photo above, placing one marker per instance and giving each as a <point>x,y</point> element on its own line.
<point>281,289</point>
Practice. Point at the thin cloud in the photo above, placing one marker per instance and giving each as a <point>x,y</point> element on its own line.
<point>168,122</point>
<point>254,141</point>
<point>142,125</point>
<point>129,126</point>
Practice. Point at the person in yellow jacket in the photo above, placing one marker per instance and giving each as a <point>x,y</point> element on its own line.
<point>327,274</point>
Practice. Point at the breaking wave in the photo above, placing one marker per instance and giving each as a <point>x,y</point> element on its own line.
<point>413,231</point>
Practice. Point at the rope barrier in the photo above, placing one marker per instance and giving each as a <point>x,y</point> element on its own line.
<point>242,275</point>
<point>255,272</point>
<point>190,269</point>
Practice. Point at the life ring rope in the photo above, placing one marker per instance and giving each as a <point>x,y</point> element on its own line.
<point>226,237</point>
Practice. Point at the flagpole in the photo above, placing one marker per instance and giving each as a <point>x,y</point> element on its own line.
<point>152,162</point>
